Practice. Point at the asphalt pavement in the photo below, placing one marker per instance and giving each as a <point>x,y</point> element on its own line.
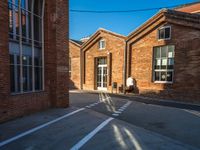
<point>102,121</point>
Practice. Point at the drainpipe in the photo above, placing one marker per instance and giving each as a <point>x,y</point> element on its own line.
<point>124,67</point>
<point>81,70</point>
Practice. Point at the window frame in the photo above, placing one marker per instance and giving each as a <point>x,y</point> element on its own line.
<point>37,51</point>
<point>164,27</point>
<point>163,70</point>
<point>100,44</point>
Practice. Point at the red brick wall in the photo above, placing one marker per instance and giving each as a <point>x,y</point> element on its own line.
<point>114,45</point>
<point>74,53</point>
<point>56,65</point>
<point>186,84</point>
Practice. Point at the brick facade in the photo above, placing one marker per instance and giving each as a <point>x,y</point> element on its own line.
<point>113,52</point>
<point>55,67</point>
<point>74,54</point>
<point>185,36</point>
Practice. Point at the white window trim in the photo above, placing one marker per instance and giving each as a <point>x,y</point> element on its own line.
<point>102,48</point>
<point>169,33</point>
<point>154,70</point>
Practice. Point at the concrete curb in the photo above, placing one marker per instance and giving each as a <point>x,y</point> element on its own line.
<point>148,100</point>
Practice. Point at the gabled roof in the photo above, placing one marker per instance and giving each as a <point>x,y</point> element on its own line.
<point>76,42</point>
<point>97,33</point>
<point>167,15</point>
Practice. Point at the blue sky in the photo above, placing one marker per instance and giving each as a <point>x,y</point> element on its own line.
<point>85,24</point>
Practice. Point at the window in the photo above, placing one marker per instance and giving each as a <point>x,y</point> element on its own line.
<point>163,63</point>
<point>164,33</point>
<point>26,45</point>
<point>70,71</point>
<point>102,44</point>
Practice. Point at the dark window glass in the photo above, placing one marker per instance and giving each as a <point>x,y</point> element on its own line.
<point>164,33</point>
<point>25,78</point>
<point>169,76</point>
<point>167,33</point>
<point>161,34</point>
<point>157,75</point>
<point>38,78</point>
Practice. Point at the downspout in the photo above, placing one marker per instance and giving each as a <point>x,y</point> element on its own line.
<point>81,70</point>
<point>125,67</point>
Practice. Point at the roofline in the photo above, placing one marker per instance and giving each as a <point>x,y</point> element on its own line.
<point>74,43</point>
<point>185,5</point>
<point>154,18</point>
<point>149,21</point>
<point>95,34</point>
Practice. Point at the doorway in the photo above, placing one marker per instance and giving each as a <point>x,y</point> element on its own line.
<point>102,73</point>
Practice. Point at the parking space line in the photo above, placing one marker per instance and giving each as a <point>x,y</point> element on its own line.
<point>121,109</point>
<point>91,134</point>
<point>38,128</point>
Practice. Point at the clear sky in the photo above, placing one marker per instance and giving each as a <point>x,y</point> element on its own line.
<point>85,24</point>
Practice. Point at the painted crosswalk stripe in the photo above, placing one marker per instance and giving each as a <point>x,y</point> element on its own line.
<point>91,134</point>
<point>115,115</point>
<point>38,128</point>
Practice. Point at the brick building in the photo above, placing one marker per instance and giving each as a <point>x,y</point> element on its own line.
<point>102,63</point>
<point>74,64</point>
<point>33,60</point>
<point>163,56</point>
<point>189,8</point>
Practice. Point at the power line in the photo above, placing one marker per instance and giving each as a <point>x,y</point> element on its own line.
<point>119,11</point>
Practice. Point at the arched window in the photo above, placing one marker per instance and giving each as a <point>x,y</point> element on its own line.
<point>26,45</point>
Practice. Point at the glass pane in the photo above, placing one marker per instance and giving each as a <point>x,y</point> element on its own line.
<point>163,76</point>
<point>157,52</point>
<point>157,64</point>
<point>171,51</point>
<point>12,78</point>
<point>11,59</point>
<point>23,23</point>
<point>170,63</point>
<point>161,34</point>
<point>23,4</point>
<point>38,78</point>
<point>169,76</point>
<point>157,76</point>
<point>167,32</point>
<point>25,60</point>
<point>164,63</point>
<point>30,78</point>
<point>18,78</point>
<point>25,78</point>
<point>164,51</point>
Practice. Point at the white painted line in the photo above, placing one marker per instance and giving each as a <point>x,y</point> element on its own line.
<point>87,106</point>
<point>118,112</point>
<point>38,128</point>
<point>121,109</point>
<point>91,134</point>
<point>115,115</point>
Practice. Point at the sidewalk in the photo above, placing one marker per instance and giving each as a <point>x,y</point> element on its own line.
<point>146,100</point>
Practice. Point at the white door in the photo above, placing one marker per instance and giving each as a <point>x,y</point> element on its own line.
<point>102,76</point>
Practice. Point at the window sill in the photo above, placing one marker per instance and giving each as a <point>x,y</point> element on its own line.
<point>164,39</point>
<point>31,92</point>
<point>102,48</point>
<point>163,82</point>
